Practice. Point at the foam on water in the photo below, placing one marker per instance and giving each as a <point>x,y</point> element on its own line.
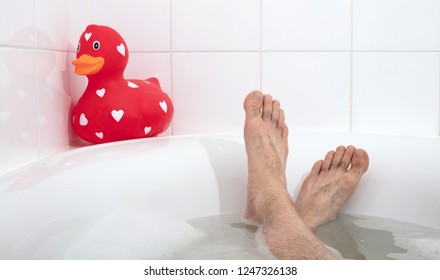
<point>420,242</point>
<point>223,237</point>
<point>133,234</point>
<point>349,237</point>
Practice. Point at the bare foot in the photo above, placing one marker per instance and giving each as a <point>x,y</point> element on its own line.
<point>268,201</point>
<point>330,184</point>
<point>265,135</point>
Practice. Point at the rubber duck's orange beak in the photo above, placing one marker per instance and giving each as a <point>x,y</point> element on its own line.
<point>88,65</point>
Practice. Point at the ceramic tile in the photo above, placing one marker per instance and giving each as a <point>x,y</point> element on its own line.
<point>396,93</point>
<point>306,25</point>
<point>396,25</point>
<point>18,109</point>
<point>313,88</point>
<point>146,65</point>
<point>215,25</point>
<point>78,17</point>
<point>77,83</point>
<point>144,24</point>
<point>208,90</point>
<point>51,24</point>
<point>17,23</point>
<point>53,101</point>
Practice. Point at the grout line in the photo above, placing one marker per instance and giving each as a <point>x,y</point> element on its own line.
<point>277,51</point>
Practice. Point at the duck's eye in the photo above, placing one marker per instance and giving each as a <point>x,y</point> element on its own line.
<point>78,47</point>
<point>96,45</point>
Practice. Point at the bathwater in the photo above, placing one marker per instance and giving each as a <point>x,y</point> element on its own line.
<point>354,237</point>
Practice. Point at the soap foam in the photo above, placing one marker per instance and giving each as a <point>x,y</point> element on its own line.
<point>420,242</point>
<point>131,234</point>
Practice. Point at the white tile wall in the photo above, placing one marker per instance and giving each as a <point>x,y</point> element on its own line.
<point>14,27</point>
<point>215,25</point>
<point>78,17</point>
<point>51,30</point>
<point>306,24</point>
<point>53,101</point>
<point>396,93</point>
<point>394,25</point>
<point>314,89</point>
<point>144,24</point>
<point>209,88</point>
<point>34,84</point>
<point>18,108</point>
<point>368,66</point>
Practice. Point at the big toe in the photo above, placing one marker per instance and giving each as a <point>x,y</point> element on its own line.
<point>360,162</point>
<point>253,104</point>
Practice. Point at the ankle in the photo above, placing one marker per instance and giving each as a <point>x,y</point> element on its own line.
<point>271,202</point>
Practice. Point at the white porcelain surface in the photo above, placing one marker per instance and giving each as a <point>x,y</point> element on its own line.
<point>208,90</point>
<point>78,17</point>
<point>144,24</point>
<point>209,54</point>
<point>51,31</point>
<point>396,25</point>
<point>396,93</point>
<point>146,65</point>
<point>18,110</point>
<point>77,83</point>
<point>396,185</point>
<point>314,89</point>
<point>17,23</point>
<point>306,25</point>
<point>123,199</point>
<point>215,25</point>
<point>53,101</point>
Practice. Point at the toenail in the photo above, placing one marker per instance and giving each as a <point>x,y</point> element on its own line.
<point>360,153</point>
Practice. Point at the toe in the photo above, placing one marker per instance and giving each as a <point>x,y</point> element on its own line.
<point>284,131</point>
<point>346,159</point>
<point>338,156</point>
<point>275,110</point>
<point>316,168</point>
<point>360,162</point>
<point>267,107</point>
<point>253,104</point>
<point>281,119</point>
<point>328,160</point>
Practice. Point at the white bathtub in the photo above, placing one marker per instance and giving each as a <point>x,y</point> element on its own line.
<point>133,196</point>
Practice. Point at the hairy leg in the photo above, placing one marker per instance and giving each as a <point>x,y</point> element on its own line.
<point>268,201</point>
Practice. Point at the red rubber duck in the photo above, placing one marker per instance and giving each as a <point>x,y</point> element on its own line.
<point>113,108</point>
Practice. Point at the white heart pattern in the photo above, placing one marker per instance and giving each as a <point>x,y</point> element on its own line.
<point>164,106</point>
<point>88,35</point>
<point>132,85</point>
<point>83,121</point>
<point>100,92</point>
<point>100,135</point>
<point>147,129</point>
<point>121,49</point>
<point>117,114</point>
